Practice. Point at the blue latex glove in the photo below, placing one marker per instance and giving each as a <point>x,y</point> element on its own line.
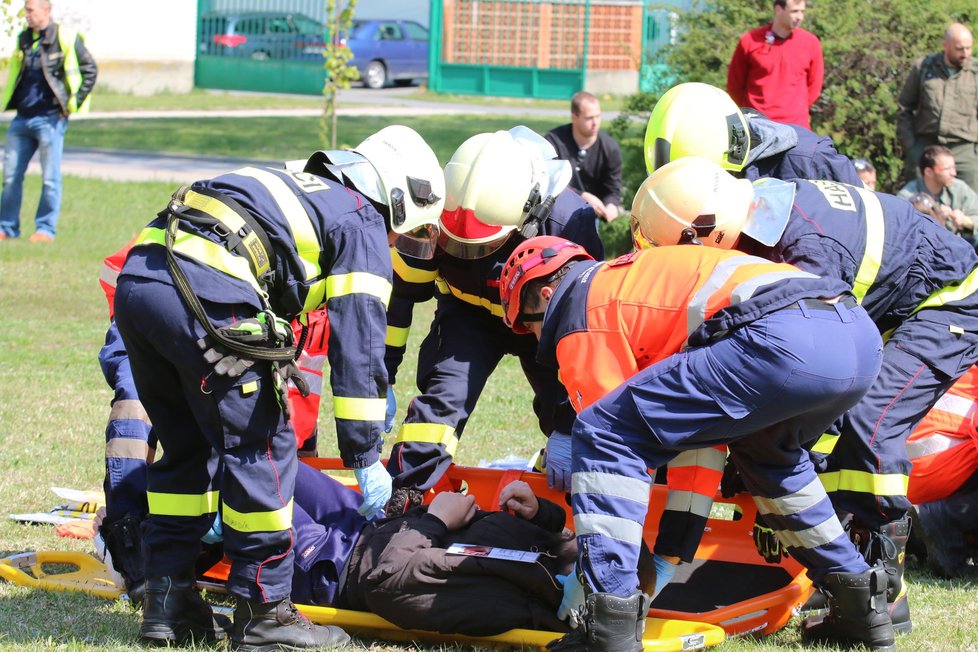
<point>571,606</point>
<point>375,484</point>
<point>558,461</point>
<point>216,533</point>
<point>391,410</point>
<point>665,570</point>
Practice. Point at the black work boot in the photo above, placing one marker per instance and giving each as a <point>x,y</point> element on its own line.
<point>125,545</point>
<point>608,624</point>
<point>857,613</point>
<point>888,545</point>
<point>175,613</point>
<point>274,626</point>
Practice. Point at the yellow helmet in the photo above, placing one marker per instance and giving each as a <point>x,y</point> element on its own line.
<point>695,119</point>
<point>691,200</point>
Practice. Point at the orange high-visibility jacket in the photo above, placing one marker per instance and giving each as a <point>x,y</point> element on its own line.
<point>944,445</point>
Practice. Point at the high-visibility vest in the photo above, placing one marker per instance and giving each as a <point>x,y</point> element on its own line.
<point>73,76</point>
<point>944,446</point>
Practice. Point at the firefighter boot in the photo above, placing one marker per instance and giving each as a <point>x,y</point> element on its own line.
<point>174,613</point>
<point>274,626</point>
<point>125,546</point>
<point>888,545</point>
<point>608,624</point>
<point>857,613</point>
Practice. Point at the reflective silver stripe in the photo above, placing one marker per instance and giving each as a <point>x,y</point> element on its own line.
<point>936,443</point>
<point>314,380</point>
<point>622,529</point>
<point>825,532</point>
<point>610,484</point>
<point>696,310</point>
<point>705,458</point>
<point>806,497</point>
<point>311,362</point>
<point>109,276</point>
<point>126,449</point>
<point>128,409</point>
<point>959,405</point>
<point>689,501</point>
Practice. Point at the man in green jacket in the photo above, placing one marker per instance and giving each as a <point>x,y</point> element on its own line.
<point>51,76</point>
<point>955,203</point>
<point>939,105</point>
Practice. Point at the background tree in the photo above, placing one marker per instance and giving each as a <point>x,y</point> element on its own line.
<point>868,47</point>
<point>339,72</point>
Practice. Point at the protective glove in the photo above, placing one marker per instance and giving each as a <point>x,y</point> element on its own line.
<point>376,485</point>
<point>571,606</point>
<point>557,461</point>
<point>665,570</point>
<point>767,543</point>
<point>216,533</point>
<point>265,329</point>
<point>391,409</point>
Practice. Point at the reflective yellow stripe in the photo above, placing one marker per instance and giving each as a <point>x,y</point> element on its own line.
<point>952,292</point>
<point>205,251</point>
<point>275,521</point>
<point>826,443</point>
<point>359,409</point>
<point>411,274</point>
<point>495,308</point>
<point>396,336</point>
<point>872,260</point>
<point>431,433</point>
<point>300,223</point>
<point>876,484</point>
<point>162,504</point>
<point>339,285</point>
<point>233,223</point>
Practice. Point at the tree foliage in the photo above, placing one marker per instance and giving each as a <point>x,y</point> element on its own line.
<point>339,72</point>
<point>868,47</point>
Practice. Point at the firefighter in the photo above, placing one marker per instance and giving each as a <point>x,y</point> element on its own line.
<point>130,444</point>
<point>916,280</point>
<point>695,119</point>
<point>203,304</point>
<point>499,187</point>
<point>678,348</point>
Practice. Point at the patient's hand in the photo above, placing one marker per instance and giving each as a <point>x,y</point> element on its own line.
<point>452,509</point>
<point>520,499</point>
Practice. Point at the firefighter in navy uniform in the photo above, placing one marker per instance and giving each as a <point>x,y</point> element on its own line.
<point>916,280</point>
<point>696,119</point>
<point>676,348</point>
<point>499,186</point>
<point>203,304</point>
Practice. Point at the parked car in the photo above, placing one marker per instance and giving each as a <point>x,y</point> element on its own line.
<point>262,35</point>
<point>387,51</point>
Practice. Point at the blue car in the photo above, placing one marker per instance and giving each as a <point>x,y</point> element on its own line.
<point>386,51</point>
<point>262,35</point>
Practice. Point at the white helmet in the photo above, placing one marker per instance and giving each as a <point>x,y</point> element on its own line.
<point>497,183</point>
<point>396,168</point>
<point>691,200</point>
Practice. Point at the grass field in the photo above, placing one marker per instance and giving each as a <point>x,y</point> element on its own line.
<point>54,406</point>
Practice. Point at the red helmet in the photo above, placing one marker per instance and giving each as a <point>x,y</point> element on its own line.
<point>536,258</point>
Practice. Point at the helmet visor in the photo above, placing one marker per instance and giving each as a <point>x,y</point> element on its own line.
<point>770,210</point>
<point>420,242</point>
<point>471,250</point>
<point>638,238</point>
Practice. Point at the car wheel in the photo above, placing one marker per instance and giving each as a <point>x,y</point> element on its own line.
<point>260,55</point>
<point>376,76</point>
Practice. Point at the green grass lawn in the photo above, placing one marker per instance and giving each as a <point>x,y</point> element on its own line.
<point>52,416</point>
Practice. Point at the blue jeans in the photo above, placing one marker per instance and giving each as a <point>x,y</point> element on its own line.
<point>24,137</point>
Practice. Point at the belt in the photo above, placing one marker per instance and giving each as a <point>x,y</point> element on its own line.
<point>848,301</point>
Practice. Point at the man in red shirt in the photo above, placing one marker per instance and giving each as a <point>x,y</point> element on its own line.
<point>777,68</point>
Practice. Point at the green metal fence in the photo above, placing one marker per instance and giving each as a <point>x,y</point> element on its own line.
<point>255,45</point>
